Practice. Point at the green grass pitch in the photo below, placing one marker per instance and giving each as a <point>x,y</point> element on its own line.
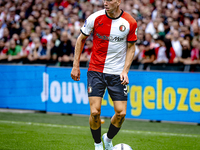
<point>37,131</point>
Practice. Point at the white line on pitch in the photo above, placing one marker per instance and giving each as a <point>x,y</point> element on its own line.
<point>81,127</point>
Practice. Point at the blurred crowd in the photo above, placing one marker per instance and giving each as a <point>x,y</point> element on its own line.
<point>45,31</point>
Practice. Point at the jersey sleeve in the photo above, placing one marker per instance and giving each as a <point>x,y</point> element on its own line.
<point>88,26</point>
<point>132,36</point>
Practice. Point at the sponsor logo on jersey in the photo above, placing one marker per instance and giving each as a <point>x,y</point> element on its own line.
<point>110,38</point>
<point>100,24</point>
<point>122,28</point>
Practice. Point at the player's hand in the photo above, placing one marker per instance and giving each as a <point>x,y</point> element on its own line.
<point>124,78</point>
<point>75,73</point>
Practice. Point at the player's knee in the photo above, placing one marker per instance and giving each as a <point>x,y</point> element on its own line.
<point>95,113</point>
<point>121,115</point>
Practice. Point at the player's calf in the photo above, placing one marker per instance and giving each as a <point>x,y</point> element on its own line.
<point>95,120</point>
<point>118,119</point>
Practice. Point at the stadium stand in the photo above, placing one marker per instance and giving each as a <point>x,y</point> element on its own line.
<point>168,32</point>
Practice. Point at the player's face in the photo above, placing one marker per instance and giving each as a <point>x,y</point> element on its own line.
<point>111,5</point>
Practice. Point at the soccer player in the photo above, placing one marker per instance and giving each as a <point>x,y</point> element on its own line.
<point>114,37</point>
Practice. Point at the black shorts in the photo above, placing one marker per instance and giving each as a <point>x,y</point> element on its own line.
<point>97,83</point>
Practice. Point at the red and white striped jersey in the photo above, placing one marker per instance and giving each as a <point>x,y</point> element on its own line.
<point>110,37</point>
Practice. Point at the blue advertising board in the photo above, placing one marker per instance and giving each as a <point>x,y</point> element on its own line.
<point>64,94</point>
<point>20,87</point>
<point>164,96</point>
<point>151,95</point>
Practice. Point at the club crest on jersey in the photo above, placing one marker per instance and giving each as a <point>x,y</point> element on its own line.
<point>89,89</point>
<point>122,28</point>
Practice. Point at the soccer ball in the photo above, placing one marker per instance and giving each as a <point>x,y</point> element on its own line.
<point>122,146</point>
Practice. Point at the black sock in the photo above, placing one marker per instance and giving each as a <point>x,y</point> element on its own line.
<point>112,131</point>
<point>96,135</point>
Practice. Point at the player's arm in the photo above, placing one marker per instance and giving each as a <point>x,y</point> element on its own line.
<point>75,73</point>
<point>129,58</point>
